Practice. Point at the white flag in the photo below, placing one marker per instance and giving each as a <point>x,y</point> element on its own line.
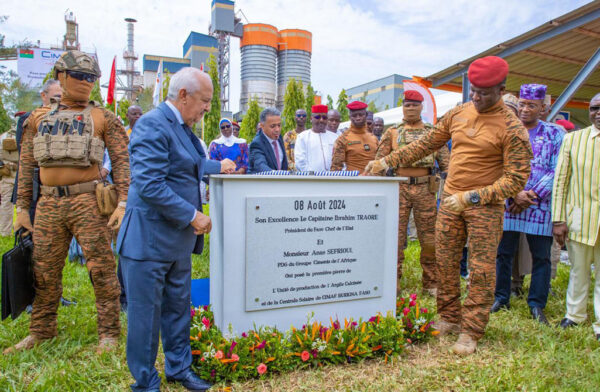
<point>157,97</point>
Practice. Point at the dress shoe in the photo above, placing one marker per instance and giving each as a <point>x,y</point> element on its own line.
<point>106,345</point>
<point>446,328</point>
<point>497,306</point>
<point>191,381</point>
<point>28,343</point>
<point>566,323</point>
<point>465,345</point>
<point>538,314</point>
<point>66,302</point>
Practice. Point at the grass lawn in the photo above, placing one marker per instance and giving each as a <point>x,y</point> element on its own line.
<point>515,354</point>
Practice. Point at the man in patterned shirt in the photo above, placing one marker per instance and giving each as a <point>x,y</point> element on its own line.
<point>289,139</point>
<point>529,211</point>
<point>490,162</point>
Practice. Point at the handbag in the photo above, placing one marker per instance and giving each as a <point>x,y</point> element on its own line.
<point>18,288</point>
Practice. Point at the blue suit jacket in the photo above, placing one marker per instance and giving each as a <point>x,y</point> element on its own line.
<point>166,171</point>
<point>262,157</point>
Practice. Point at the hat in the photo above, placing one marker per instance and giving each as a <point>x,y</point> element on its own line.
<point>319,109</point>
<point>235,124</point>
<point>566,124</point>
<point>511,101</point>
<point>19,114</point>
<point>487,71</point>
<point>412,95</point>
<point>357,105</point>
<point>533,91</point>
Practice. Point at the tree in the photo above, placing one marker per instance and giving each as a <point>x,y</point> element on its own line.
<point>122,108</point>
<point>165,83</point>
<point>310,101</point>
<point>399,103</point>
<point>372,107</point>
<point>96,95</point>
<point>5,121</point>
<point>329,101</point>
<point>144,99</point>
<point>341,105</point>
<point>251,119</point>
<point>292,101</point>
<point>212,118</point>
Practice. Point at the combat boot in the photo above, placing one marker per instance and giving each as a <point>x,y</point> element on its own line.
<point>106,345</point>
<point>446,328</point>
<point>28,343</point>
<point>465,345</point>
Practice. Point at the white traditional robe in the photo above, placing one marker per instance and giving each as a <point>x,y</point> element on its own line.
<point>313,151</point>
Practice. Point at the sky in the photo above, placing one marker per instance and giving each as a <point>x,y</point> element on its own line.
<point>354,41</point>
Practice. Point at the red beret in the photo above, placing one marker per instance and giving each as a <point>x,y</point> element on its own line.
<point>357,105</point>
<point>566,124</point>
<point>319,109</point>
<point>487,71</point>
<point>412,95</point>
<point>19,114</point>
<point>236,124</point>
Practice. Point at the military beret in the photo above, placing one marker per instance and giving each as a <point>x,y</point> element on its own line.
<point>235,124</point>
<point>566,124</point>
<point>357,105</point>
<point>319,109</point>
<point>487,71</point>
<point>412,95</point>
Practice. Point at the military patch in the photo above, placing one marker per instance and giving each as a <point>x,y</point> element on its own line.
<point>354,142</point>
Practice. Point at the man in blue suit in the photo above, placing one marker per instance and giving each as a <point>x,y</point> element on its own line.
<point>266,150</point>
<point>163,225</point>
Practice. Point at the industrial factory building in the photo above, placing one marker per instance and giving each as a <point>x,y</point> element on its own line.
<point>384,92</point>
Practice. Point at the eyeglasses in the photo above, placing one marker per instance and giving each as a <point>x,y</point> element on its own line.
<point>594,108</point>
<point>88,77</point>
<point>225,126</point>
<point>320,117</point>
<point>301,115</point>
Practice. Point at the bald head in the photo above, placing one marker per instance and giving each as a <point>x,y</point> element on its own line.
<point>595,111</point>
<point>378,127</point>
<point>333,120</point>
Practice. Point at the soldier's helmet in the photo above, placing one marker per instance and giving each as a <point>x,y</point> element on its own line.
<point>74,60</point>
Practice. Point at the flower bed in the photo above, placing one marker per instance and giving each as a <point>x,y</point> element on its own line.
<point>267,350</point>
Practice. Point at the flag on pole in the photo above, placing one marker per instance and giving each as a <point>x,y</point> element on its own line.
<point>157,96</point>
<point>110,98</point>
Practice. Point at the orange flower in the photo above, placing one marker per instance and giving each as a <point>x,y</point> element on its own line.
<point>305,356</point>
<point>262,368</point>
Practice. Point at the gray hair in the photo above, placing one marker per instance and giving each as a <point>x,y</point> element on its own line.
<point>268,112</point>
<point>184,79</point>
<point>49,83</point>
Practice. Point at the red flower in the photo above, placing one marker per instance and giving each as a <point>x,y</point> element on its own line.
<point>206,322</point>
<point>202,359</point>
<point>192,312</point>
<point>262,368</point>
<point>305,356</point>
<point>314,352</point>
<point>423,310</point>
<point>235,357</point>
<point>261,345</point>
<point>244,335</point>
<point>406,311</point>
<point>413,296</point>
<point>205,307</point>
<point>412,303</point>
<point>336,324</point>
<point>219,354</point>
<point>373,319</point>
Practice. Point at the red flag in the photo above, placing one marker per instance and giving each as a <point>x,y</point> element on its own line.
<point>112,82</point>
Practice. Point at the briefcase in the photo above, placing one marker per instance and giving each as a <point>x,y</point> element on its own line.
<point>17,277</point>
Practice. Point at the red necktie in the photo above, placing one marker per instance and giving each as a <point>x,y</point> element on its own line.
<point>277,155</point>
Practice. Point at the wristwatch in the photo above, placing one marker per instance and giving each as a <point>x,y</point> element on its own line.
<point>474,198</point>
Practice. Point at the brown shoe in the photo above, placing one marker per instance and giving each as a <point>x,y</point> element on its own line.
<point>446,328</point>
<point>106,345</point>
<point>465,345</point>
<point>28,343</point>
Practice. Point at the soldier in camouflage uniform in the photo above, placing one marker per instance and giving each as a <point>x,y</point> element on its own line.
<point>418,191</point>
<point>490,162</point>
<point>289,139</point>
<point>67,142</point>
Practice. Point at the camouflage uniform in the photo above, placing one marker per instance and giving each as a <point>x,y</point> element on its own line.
<point>417,197</point>
<point>289,142</point>
<point>496,145</point>
<point>59,218</point>
<point>354,149</point>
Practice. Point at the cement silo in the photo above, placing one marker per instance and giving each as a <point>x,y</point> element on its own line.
<point>293,60</point>
<point>259,64</point>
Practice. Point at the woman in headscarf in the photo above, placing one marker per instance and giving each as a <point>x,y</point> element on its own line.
<point>229,146</point>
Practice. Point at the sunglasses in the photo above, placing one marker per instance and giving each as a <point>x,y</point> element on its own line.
<point>594,108</point>
<point>301,115</point>
<point>225,126</point>
<point>88,77</point>
<point>320,117</point>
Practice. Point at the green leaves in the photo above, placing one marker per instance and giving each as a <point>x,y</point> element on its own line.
<point>293,100</point>
<point>251,119</point>
<point>211,119</point>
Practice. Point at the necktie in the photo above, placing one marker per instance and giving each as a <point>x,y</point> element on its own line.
<point>194,140</point>
<point>276,147</point>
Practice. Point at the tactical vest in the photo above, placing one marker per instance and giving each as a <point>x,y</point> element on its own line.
<point>66,138</point>
<point>405,137</point>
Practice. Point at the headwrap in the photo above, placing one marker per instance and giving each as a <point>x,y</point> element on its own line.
<point>511,101</point>
<point>224,120</point>
<point>228,141</point>
<point>487,71</point>
<point>533,91</point>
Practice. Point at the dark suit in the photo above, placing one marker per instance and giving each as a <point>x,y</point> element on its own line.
<point>262,157</point>
<point>156,241</point>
